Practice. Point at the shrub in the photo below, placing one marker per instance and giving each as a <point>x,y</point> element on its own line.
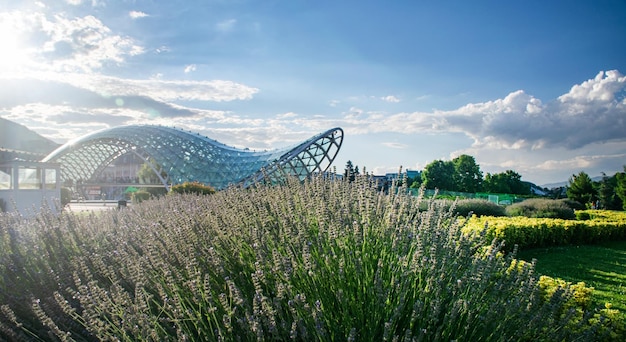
<point>582,215</point>
<point>66,196</point>
<point>541,208</point>
<point>192,188</point>
<point>321,260</point>
<point>574,205</point>
<point>542,232</point>
<point>478,207</point>
<point>140,196</point>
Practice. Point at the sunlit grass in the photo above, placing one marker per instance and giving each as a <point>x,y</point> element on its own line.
<point>601,266</point>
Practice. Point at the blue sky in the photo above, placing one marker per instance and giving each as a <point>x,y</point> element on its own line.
<point>532,86</point>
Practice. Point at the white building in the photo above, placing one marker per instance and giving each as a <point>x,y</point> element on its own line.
<point>27,185</point>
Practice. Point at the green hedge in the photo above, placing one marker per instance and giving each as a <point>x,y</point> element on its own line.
<point>543,232</point>
<point>192,188</point>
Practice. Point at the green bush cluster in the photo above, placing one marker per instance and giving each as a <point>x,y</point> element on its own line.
<point>322,260</point>
<point>465,207</point>
<point>542,208</point>
<point>140,196</point>
<point>478,207</point>
<point>528,232</point>
<point>66,196</point>
<point>192,188</point>
<point>582,215</point>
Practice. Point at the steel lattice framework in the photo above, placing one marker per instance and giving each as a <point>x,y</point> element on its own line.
<point>185,156</point>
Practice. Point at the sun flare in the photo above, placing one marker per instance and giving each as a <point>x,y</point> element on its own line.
<point>12,53</point>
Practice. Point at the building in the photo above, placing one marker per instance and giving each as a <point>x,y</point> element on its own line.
<point>28,185</point>
<point>177,156</point>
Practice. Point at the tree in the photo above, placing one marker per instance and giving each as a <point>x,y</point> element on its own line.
<point>581,190</point>
<point>439,174</point>
<point>620,188</point>
<point>508,182</point>
<point>607,193</point>
<point>147,175</point>
<point>349,173</point>
<point>467,175</point>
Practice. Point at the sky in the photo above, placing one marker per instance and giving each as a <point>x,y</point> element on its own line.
<point>537,87</point>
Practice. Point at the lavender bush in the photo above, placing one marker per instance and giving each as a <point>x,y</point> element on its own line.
<point>324,260</point>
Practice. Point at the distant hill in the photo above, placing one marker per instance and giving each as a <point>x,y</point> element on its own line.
<point>565,183</point>
<point>14,136</point>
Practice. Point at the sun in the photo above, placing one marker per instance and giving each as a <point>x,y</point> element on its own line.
<point>13,54</point>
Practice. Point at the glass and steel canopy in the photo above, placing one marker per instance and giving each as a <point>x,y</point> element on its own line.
<point>186,156</point>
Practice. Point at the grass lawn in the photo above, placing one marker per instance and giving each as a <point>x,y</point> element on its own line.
<point>601,266</point>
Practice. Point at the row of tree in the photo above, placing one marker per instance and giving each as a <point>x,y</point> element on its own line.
<point>608,193</point>
<point>461,174</point>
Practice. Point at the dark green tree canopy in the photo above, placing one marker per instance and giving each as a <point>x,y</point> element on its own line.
<point>467,175</point>
<point>607,194</point>
<point>620,187</point>
<point>508,182</point>
<point>581,190</point>
<point>439,174</point>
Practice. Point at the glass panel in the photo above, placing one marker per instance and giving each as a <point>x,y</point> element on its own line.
<point>29,178</point>
<point>6,178</point>
<point>51,178</point>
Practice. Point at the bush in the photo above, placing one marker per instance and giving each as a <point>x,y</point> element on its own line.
<point>543,232</point>
<point>541,208</point>
<point>321,260</point>
<point>478,207</point>
<point>140,196</point>
<point>192,188</point>
<point>66,196</point>
<point>574,205</point>
<point>582,215</point>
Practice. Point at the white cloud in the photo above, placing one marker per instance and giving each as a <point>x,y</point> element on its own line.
<point>226,25</point>
<point>286,115</point>
<point>137,14</point>
<point>592,112</point>
<point>69,44</point>
<point>159,89</point>
<point>189,68</point>
<point>390,98</point>
<point>74,2</point>
<point>395,145</point>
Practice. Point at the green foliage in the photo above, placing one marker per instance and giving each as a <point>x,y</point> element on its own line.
<point>66,196</point>
<point>582,215</point>
<point>620,188</point>
<point>467,175</point>
<point>478,207</point>
<point>597,266</point>
<point>541,207</point>
<point>192,188</point>
<point>574,205</point>
<point>140,196</point>
<point>581,189</point>
<point>607,194</point>
<point>147,174</point>
<point>508,182</point>
<point>156,192</point>
<point>528,232</point>
<point>322,261</point>
<point>3,205</point>
<point>439,175</point>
